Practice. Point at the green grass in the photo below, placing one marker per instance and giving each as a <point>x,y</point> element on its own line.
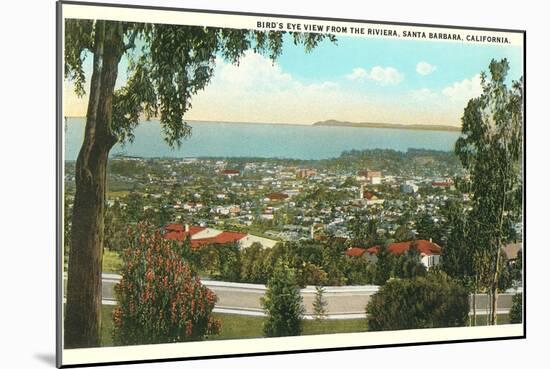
<point>501,319</point>
<point>233,326</point>
<point>241,326</point>
<point>334,326</point>
<point>238,326</point>
<point>114,194</point>
<point>112,262</point>
<point>107,325</point>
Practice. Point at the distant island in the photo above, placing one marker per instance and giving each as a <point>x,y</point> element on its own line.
<point>425,127</point>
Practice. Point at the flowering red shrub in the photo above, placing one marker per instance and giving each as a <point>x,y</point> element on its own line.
<point>160,299</point>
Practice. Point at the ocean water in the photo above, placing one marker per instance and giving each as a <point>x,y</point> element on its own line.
<point>264,140</point>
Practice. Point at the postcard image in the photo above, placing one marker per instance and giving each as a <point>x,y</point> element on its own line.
<point>236,184</point>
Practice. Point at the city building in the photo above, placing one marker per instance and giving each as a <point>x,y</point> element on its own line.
<point>409,187</point>
<point>203,236</point>
<point>370,176</point>
<point>430,252</point>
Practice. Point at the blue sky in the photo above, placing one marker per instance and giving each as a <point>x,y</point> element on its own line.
<point>454,61</point>
<point>357,79</point>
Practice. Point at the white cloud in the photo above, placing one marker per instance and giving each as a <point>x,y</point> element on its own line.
<point>447,103</point>
<point>456,94</point>
<point>464,90</point>
<point>424,95</point>
<point>382,75</point>
<point>260,90</point>
<point>425,68</point>
<point>386,76</point>
<point>254,71</point>
<point>357,73</point>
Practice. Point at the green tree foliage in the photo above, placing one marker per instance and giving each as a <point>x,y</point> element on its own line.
<point>457,255</point>
<point>402,233</point>
<point>167,66</point>
<point>160,299</point>
<point>425,302</point>
<point>230,263</point>
<point>314,264</point>
<point>283,303</point>
<point>305,252</point>
<point>310,274</point>
<point>221,262</point>
<point>164,216</point>
<point>359,271</point>
<point>134,207</point>
<point>279,252</point>
<point>427,229</point>
<point>506,275</point>
<point>333,264</point>
<point>516,268</point>
<point>320,303</point>
<point>364,229</point>
<point>350,182</point>
<point>490,150</point>
<point>461,259</point>
<point>516,312</point>
<point>384,265</point>
<point>511,272</point>
<point>252,264</point>
<point>408,265</point>
<point>322,196</point>
<point>116,227</point>
<point>185,251</point>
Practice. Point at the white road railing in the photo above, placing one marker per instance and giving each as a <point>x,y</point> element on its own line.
<point>343,302</point>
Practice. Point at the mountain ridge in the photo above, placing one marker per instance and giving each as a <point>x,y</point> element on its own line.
<point>423,127</point>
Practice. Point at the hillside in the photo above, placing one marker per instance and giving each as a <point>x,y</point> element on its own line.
<point>426,127</point>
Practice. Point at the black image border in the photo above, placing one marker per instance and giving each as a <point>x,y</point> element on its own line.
<point>59,187</point>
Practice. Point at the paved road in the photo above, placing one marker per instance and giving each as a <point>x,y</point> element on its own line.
<point>345,302</point>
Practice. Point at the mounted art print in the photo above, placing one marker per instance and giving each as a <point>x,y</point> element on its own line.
<point>236,184</point>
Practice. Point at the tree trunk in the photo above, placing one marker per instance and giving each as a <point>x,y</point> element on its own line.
<point>494,282</point>
<point>487,308</point>
<point>494,288</point>
<point>474,303</point>
<point>83,309</point>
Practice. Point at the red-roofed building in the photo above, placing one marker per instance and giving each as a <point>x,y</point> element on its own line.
<point>444,183</point>
<point>224,238</point>
<point>430,252</point>
<point>174,227</point>
<point>373,250</point>
<point>355,252</point>
<point>180,232</point>
<point>276,196</point>
<point>231,172</point>
<point>202,236</point>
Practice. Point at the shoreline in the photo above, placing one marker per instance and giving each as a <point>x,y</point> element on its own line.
<point>414,127</point>
<point>240,158</point>
<point>329,123</point>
